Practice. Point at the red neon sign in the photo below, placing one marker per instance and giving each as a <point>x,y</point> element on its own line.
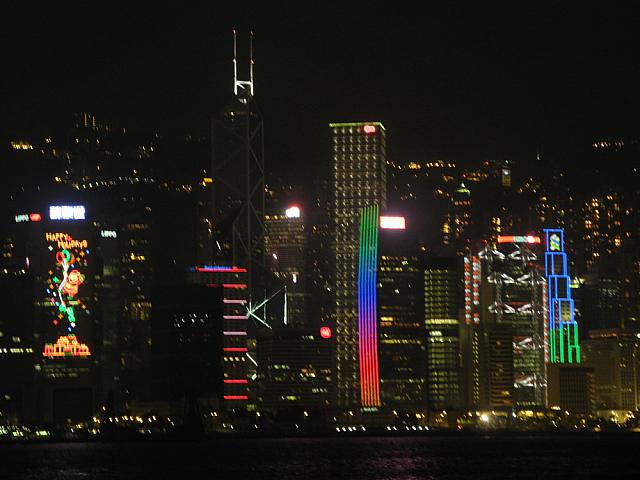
<point>518,239</point>
<point>236,397</point>
<point>35,217</point>
<point>325,332</point>
<point>369,129</point>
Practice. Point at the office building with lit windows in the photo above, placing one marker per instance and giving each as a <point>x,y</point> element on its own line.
<point>442,307</point>
<point>286,244</point>
<point>614,356</point>
<point>456,229</point>
<point>505,315</point>
<point>294,368</point>
<point>359,184</point>
<point>56,345</point>
<point>401,336</point>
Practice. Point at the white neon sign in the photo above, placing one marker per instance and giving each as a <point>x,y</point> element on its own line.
<point>67,212</point>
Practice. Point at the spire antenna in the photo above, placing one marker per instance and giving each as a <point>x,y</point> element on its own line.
<point>243,88</point>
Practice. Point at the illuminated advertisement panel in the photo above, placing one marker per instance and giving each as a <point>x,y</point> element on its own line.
<point>393,223</point>
<point>67,293</point>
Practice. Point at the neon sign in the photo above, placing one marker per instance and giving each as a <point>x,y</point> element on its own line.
<point>67,212</point>
<point>108,234</point>
<point>325,332</point>
<point>65,241</point>
<point>31,217</point>
<point>367,303</point>
<point>66,346</point>
<point>369,129</point>
<point>63,287</point>
<point>518,239</point>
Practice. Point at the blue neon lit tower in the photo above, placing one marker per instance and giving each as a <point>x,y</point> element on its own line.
<point>563,329</point>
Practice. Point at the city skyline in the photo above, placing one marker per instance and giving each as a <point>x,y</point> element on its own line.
<point>393,223</point>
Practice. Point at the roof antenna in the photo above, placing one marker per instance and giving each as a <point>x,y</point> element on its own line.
<point>242,88</point>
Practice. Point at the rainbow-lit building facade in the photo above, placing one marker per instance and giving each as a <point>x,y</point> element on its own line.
<point>562,330</point>
<point>367,305</point>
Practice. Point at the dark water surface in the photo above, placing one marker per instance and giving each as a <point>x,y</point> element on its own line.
<point>371,458</point>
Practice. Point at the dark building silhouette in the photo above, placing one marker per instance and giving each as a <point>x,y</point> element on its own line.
<point>187,342</point>
<point>294,368</point>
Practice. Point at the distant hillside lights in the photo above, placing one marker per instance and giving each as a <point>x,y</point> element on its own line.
<point>19,145</point>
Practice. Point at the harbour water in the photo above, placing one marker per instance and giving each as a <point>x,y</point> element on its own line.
<point>354,458</point>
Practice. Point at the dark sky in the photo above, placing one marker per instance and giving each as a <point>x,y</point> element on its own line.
<point>495,80</point>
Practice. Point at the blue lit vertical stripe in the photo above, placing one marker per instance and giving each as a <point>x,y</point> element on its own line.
<point>367,303</point>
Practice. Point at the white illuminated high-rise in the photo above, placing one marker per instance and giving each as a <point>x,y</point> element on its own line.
<point>359,180</point>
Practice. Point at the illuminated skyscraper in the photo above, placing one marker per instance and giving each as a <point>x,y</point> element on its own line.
<point>457,224</point>
<point>562,332</point>
<point>442,305</point>
<point>359,182</point>
<point>505,310</point>
<point>401,350</point>
<point>286,242</point>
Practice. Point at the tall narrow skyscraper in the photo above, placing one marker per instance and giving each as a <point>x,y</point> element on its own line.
<point>442,304</point>
<point>359,181</point>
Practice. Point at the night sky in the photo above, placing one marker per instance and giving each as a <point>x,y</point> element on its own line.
<point>496,80</point>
